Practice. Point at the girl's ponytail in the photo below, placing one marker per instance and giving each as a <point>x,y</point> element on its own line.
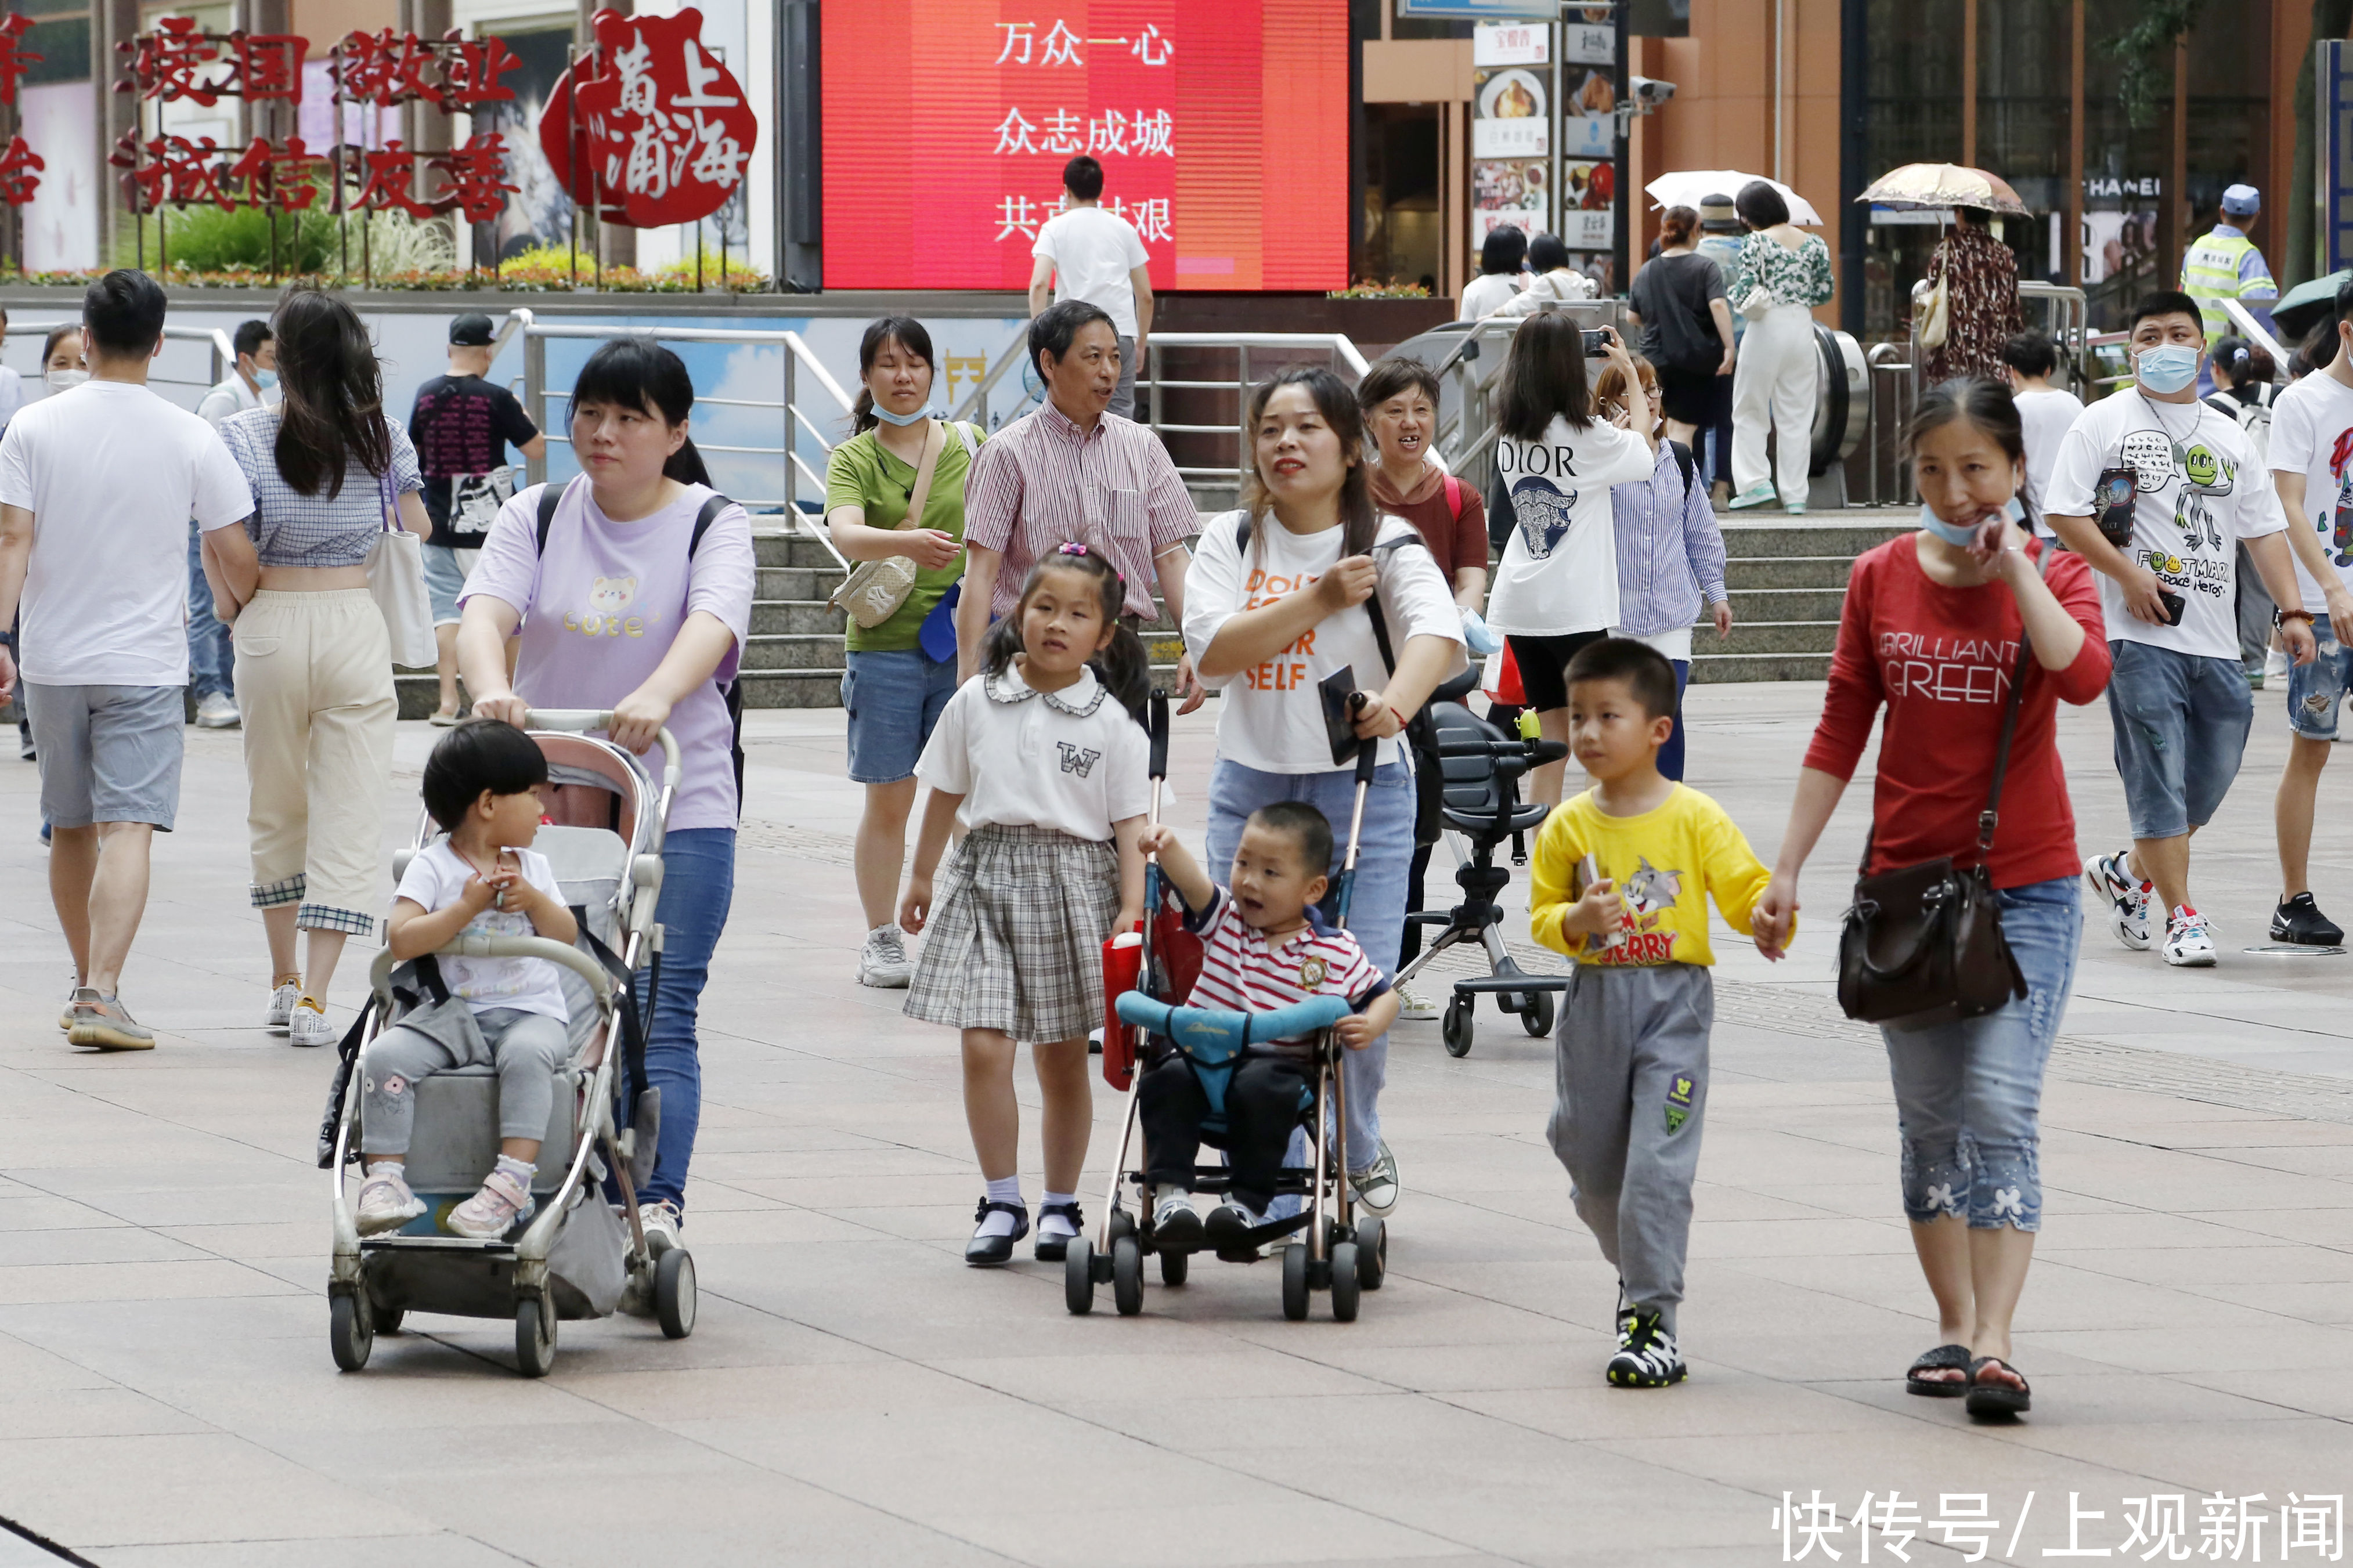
<point>1126,670</point>
<point>1003,641</point>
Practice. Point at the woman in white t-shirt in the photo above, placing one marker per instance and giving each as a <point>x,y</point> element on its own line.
<point>1557,585</point>
<point>1281,597</point>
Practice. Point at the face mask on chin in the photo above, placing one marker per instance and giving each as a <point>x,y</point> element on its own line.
<point>901,420</point>
<point>1961,536</point>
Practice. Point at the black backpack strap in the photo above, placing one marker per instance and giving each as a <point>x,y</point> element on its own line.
<point>1683,461</point>
<point>551,495</point>
<point>732,693</point>
<point>702,521</point>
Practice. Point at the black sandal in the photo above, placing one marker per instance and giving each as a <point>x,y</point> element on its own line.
<point>1051,1248</point>
<point>989,1252</point>
<point>1944,1358</point>
<point>1997,1399</point>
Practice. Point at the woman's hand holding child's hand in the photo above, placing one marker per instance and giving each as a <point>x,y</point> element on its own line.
<point>1775,916</point>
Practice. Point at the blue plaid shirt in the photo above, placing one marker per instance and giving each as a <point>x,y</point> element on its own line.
<point>1670,550</point>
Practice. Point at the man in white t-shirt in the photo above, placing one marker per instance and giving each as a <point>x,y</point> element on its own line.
<point>2312,470</point>
<point>2045,413</point>
<point>1086,253</point>
<point>97,485</point>
<point>2156,491</point>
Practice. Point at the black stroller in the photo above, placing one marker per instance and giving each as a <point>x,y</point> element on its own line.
<point>1482,765</point>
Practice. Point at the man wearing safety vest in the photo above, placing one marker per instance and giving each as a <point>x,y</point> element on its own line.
<point>2225,265</point>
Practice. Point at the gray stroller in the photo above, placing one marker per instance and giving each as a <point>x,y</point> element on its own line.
<point>578,1256</point>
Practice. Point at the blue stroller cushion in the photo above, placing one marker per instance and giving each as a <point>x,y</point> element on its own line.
<point>1213,1038</point>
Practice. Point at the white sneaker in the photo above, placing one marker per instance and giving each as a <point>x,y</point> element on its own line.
<point>882,962</point>
<point>217,711</point>
<point>386,1204</point>
<point>308,1025</point>
<point>2125,899</point>
<point>1413,1007</point>
<point>662,1221</point>
<point>1377,1184</point>
<point>282,997</point>
<point>2188,943</point>
<point>2275,664</point>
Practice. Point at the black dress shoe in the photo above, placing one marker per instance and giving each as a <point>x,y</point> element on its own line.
<point>989,1252</point>
<point>1051,1248</point>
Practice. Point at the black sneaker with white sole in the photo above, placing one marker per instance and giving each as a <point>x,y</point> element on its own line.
<point>1647,1357</point>
<point>2299,921</point>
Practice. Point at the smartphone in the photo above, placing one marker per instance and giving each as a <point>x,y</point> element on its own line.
<point>1596,343</point>
<point>1339,715</point>
<point>2174,604</point>
<point>2111,498</point>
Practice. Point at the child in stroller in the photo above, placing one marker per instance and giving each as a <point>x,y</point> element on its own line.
<point>481,785</point>
<point>1262,950</point>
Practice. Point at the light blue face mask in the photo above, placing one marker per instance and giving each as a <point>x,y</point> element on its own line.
<point>1962,537</point>
<point>264,378</point>
<point>901,420</point>
<point>2169,367</point>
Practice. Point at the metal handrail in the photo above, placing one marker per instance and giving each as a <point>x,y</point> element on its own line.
<point>2253,331</point>
<point>224,354</point>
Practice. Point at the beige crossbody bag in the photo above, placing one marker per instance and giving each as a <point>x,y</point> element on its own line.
<point>876,589</point>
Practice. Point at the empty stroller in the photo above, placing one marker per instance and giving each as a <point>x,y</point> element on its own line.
<point>1482,765</point>
<point>578,1256</point>
<point>1337,1253</point>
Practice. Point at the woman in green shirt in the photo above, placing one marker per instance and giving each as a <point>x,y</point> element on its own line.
<point>902,670</point>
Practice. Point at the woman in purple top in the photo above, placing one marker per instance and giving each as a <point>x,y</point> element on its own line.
<point>625,610</point>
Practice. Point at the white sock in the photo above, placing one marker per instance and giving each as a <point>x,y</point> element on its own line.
<point>1167,1190</point>
<point>520,1169</point>
<point>1006,1190</point>
<point>1058,1224</point>
<point>397,1169</point>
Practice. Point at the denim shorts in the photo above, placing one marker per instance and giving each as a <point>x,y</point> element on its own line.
<point>2181,725</point>
<point>445,578</point>
<point>2314,689</point>
<point>893,699</point>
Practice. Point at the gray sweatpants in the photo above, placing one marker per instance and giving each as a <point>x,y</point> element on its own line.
<point>1631,1062</point>
<point>527,1049</point>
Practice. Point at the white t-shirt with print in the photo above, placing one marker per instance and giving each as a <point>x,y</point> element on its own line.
<point>435,879</point>
<point>111,474</point>
<point>1070,759</point>
<point>1271,716</point>
<point>2312,430</point>
<point>1559,573</point>
<point>2198,492</point>
<point>1093,251</point>
<point>2044,418</point>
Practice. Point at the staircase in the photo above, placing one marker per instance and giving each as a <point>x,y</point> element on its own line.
<point>1787,577</point>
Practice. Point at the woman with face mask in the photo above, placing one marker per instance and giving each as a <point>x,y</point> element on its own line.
<point>1931,631</point>
<point>63,365</point>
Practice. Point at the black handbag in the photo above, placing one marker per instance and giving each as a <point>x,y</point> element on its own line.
<point>1922,944</point>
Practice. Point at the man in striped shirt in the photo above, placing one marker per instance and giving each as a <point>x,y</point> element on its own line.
<point>1069,471</point>
<point>1263,948</point>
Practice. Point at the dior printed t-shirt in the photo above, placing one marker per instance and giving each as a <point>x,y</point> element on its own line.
<point>1559,573</point>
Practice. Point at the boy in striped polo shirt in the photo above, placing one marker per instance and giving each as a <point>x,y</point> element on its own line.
<point>1263,946</point>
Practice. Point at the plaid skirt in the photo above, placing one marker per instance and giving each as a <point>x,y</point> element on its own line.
<point>1015,940</point>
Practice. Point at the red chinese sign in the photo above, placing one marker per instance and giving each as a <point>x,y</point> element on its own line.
<point>650,127</point>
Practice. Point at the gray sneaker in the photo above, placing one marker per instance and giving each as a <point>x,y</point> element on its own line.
<point>1377,1184</point>
<point>884,961</point>
<point>106,1023</point>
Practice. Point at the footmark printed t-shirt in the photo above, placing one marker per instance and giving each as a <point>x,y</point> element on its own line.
<point>1271,716</point>
<point>111,474</point>
<point>435,879</point>
<point>2198,491</point>
<point>602,607</point>
<point>2312,430</point>
<point>1559,573</point>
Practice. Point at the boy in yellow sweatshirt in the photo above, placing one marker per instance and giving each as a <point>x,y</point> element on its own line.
<point>1631,1055</point>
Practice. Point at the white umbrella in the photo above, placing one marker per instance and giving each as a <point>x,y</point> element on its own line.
<point>1689,188</point>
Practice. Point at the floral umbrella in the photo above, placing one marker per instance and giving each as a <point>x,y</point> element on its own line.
<point>1944,185</point>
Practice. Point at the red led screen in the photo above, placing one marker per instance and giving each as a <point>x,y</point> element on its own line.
<point>1222,126</point>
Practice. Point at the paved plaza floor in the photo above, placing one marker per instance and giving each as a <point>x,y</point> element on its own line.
<point>854,1394</point>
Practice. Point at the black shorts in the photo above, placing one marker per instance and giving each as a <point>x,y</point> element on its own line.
<point>1544,665</point>
<point>1689,396</point>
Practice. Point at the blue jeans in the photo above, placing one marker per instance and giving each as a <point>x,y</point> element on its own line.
<point>893,697</point>
<point>2316,690</point>
<point>1969,1094</point>
<point>210,657</point>
<point>1376,907</point>
<point>698,884</point>
<point>2181,723</point>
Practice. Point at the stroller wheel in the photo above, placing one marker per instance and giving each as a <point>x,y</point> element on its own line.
<point>1372,1254</point>
<point>388,1319</point>
<point>1174,1267</point>
<point>674,1293</point>
<point>1127,1276</point>
<point>1121,1224</point>
<point>535,1338</point>
<point>1535,1015</point>
<point>1454,1028</point>
<point>1345,1282</point>
<point>1294,1282</point>
<point>1078,1276</point>
<point>351,1329</point>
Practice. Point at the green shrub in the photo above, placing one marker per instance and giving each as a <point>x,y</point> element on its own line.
<point>207,240</point>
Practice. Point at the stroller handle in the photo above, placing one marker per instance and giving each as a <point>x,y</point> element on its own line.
<point>582,721</point>
<point>480,946</point>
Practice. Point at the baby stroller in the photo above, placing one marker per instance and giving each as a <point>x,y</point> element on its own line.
<point>1337,1253</point>
<point>578,1256</point>
<point>1482,765</point>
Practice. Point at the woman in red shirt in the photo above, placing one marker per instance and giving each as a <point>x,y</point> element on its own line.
<point>1930,631</point>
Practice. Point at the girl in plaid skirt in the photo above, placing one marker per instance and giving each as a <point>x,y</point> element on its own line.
<point>1040,754</point>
